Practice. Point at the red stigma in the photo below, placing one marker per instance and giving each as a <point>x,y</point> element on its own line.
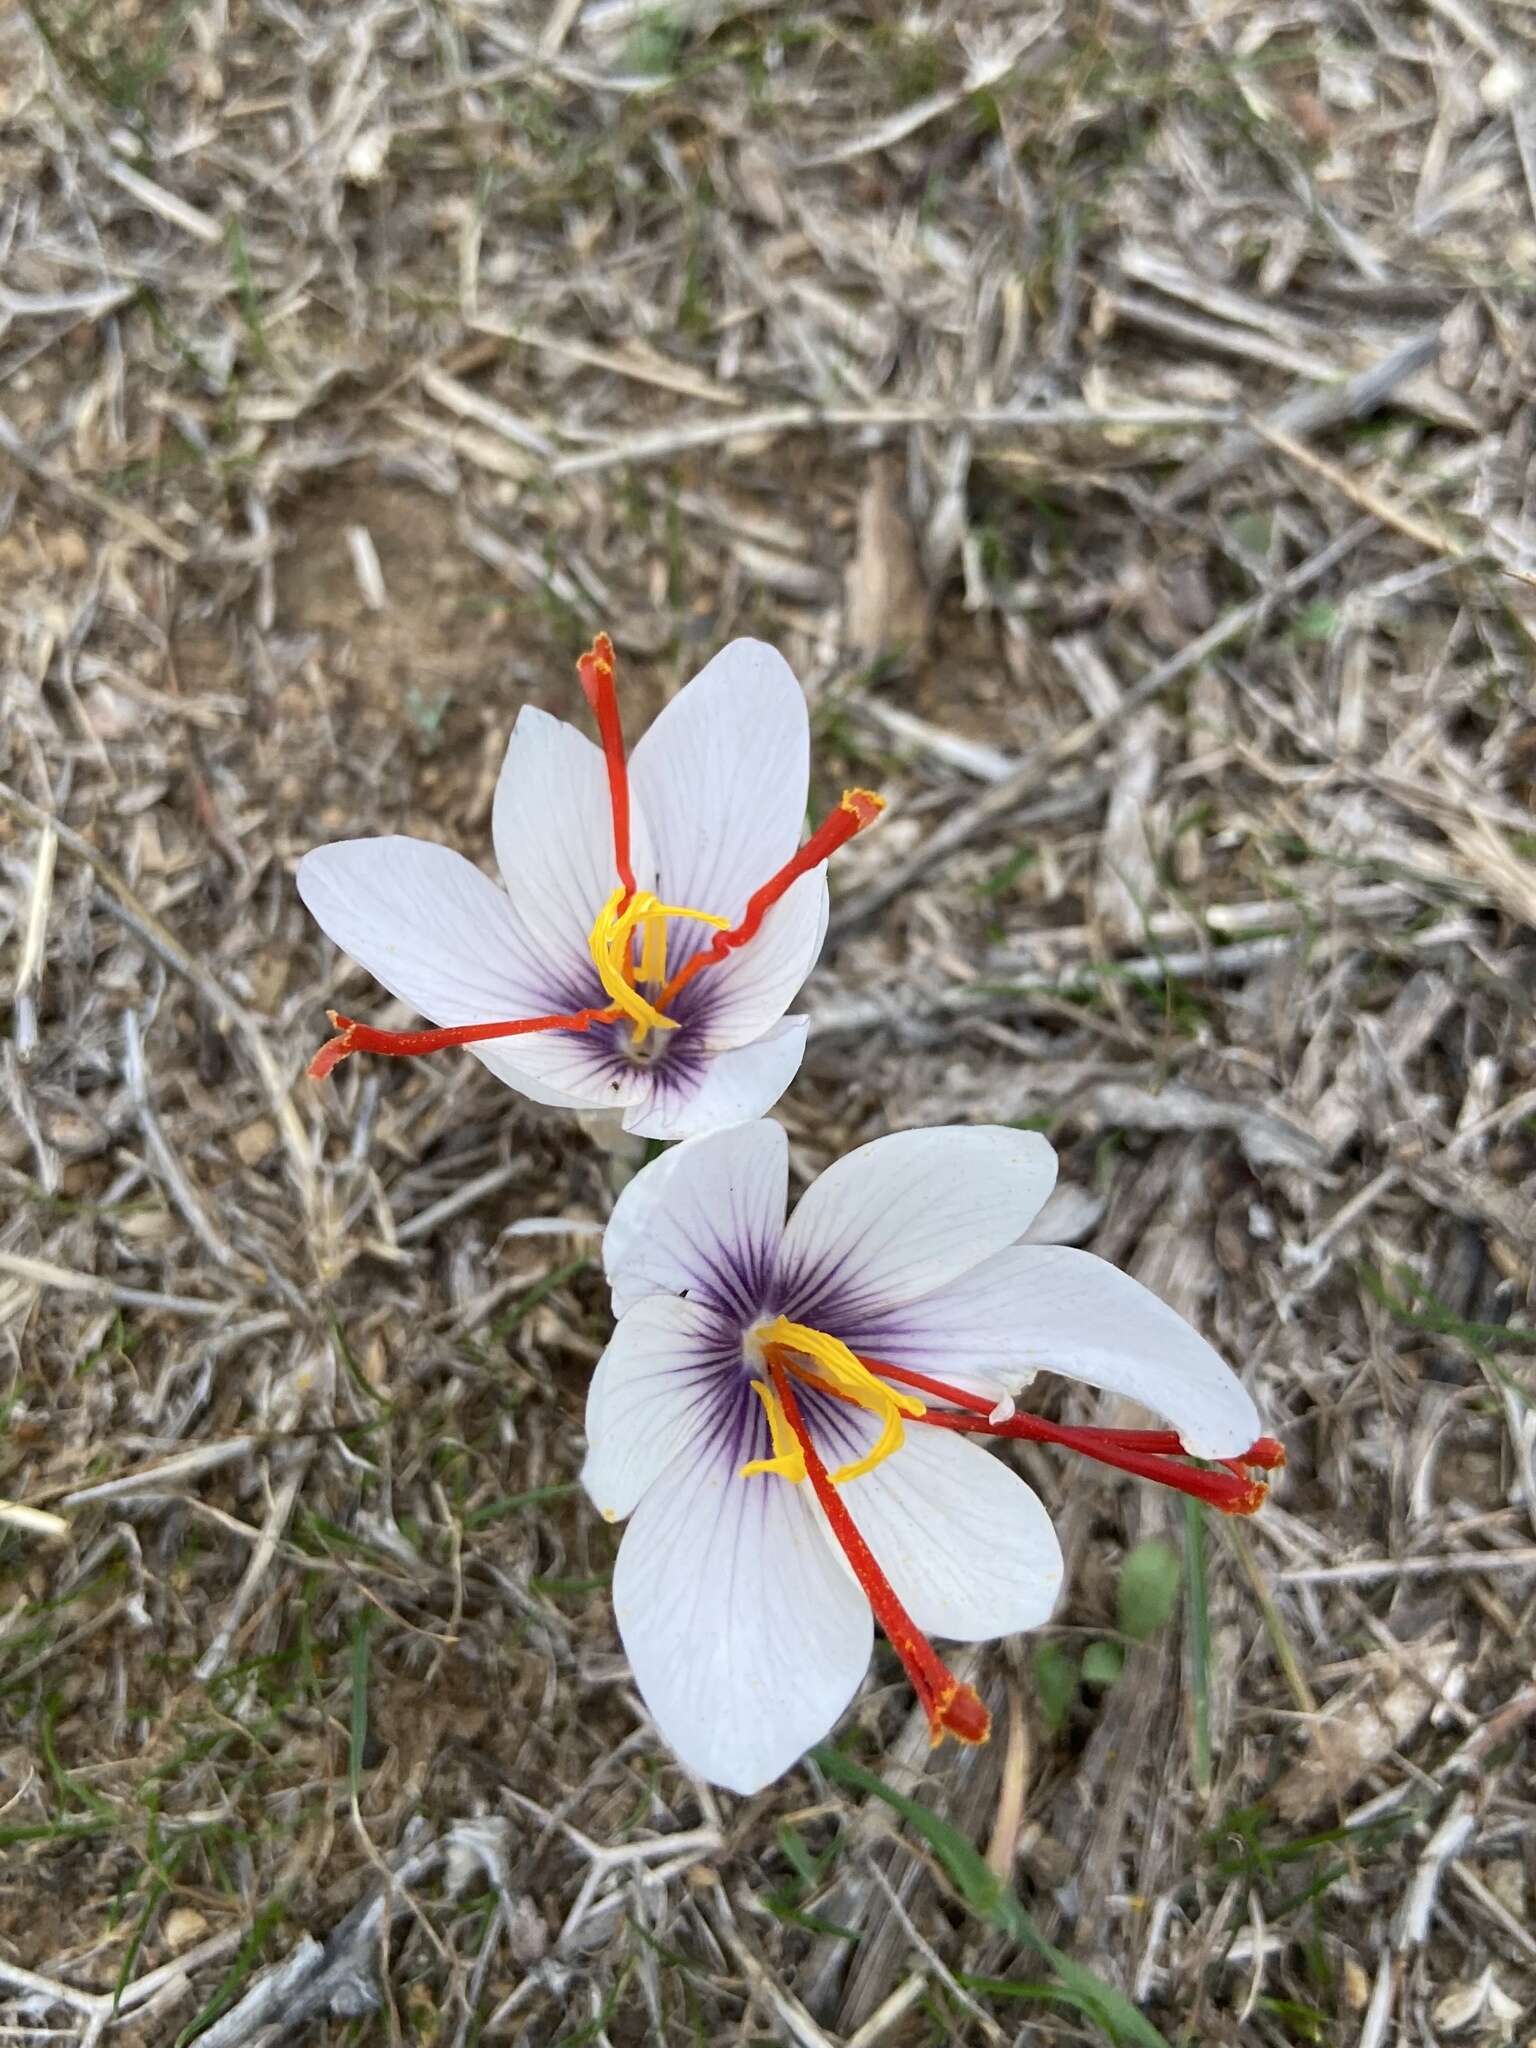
<point>1155,1454</point>
<point>1268,1454</point>
<point>952,1708</point>
<point>596,670</point>
<point>962,1715</point>
<point>354,1037</point>
<point>857,809</point>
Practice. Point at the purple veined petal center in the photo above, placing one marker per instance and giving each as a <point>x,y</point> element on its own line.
<point>733,1428</point>
<point>734,1269</point>
<point>675,1062</point>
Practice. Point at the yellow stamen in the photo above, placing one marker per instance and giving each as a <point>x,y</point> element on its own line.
<point>838,1372</point>
<point>788,1460</point>
<point>611,946</point>
<point>653,951</point>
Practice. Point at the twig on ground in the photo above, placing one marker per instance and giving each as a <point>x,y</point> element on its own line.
<point>257,1566</point>
<point>997,803</point>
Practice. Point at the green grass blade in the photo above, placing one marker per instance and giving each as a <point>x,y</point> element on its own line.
<point>1198,1619</point>
<point>247,1956</point>
<point>359,1735</point>
<point>1274,1623</point>
<point>989,1898</point>
<point>539,1291</point>
<point>509,1503</point>
<point>245,289</point>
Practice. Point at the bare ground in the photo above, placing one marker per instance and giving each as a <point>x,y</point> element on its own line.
<point>1121,416</point>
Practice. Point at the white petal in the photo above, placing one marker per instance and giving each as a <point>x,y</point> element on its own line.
<point>726,1088</point>
<point>722,777</point>
<point>703,1220</point>
<point>751,988</point>
<point>902,1216</point>
<point>553,828</point>
<point>652,1394</point>
<point>427,924</point>
<point>1083,1317</point>
<point>570,1069</point>
<point>972,1332</point>
<point>746,1634</point>
<point>967,1546</point>
<point>505,1067</point>
<point>1071,1214</point>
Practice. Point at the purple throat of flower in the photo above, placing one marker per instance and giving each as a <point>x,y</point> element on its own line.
<point>628,940</point>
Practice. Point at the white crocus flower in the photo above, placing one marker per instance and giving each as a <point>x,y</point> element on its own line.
<point>782,1414</point>
<point>659,914</point>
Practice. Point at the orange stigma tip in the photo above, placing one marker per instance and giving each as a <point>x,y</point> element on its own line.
<point>960,1714</point>
<point>1268,1454</point>
<point>335,1050</point>
<point>595,668</point>
<point>864,805</point>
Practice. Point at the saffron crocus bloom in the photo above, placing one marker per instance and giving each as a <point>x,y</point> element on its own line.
<point>783,1408</point>
<point>659,913</point>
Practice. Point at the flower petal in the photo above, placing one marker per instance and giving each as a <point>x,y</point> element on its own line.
<point>654,1391</point>
<point>704,1220</point>
<point>506,1070</point>
<point>721,1088</point>
<point>972,1332</point>
<point>746,1634</point>
<point>553,829</point>
<point>427,924</point>
<point>967,1546</point>
<point>570,1069</point>
<point>722,776</point>
<point>750,989</point>
<point>902,1216</point>
<point>1082,1317</point>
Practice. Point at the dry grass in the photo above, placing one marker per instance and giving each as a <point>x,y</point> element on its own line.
<point>1121,417</point>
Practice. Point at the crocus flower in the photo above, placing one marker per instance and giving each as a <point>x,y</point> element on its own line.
<point>658,917</point>
<point>782,1414</point>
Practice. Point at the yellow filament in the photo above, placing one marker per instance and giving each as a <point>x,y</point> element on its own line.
<point>611,947</point>
<point>788,1460</point>
<point>839,1371</point>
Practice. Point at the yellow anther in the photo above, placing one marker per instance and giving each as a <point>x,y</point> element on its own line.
<point>788,1460</point>
<point>611,945</point>
<point>653,950</point>
<point>840,1373</point>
